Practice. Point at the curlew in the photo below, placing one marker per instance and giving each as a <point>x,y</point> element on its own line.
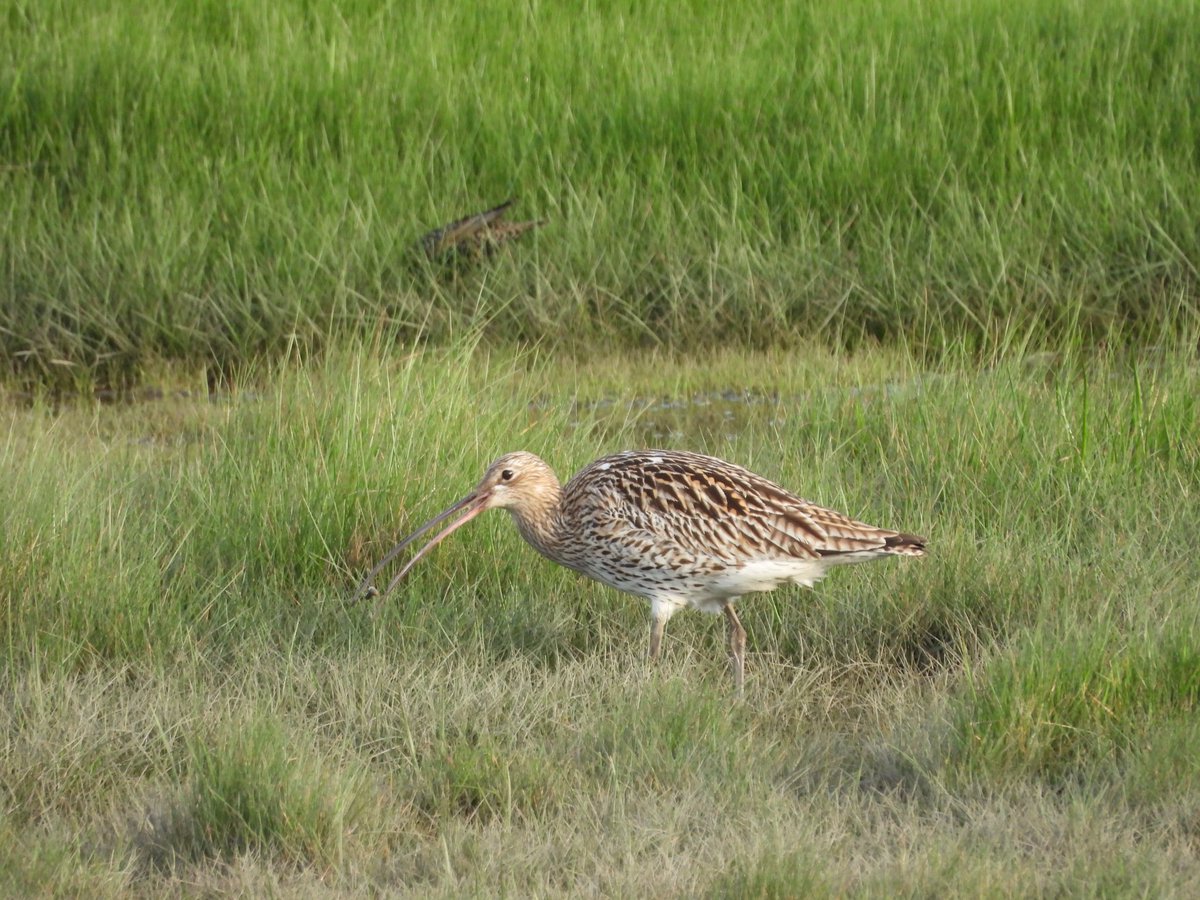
<point>474,237</point>
<point>678,529</point>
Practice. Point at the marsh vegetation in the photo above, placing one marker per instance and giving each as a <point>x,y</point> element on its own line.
<point>929,264</point>
<point>191,701</point>
<point>217,182</point>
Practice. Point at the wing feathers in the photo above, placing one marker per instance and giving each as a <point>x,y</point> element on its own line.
<point>718,510</point>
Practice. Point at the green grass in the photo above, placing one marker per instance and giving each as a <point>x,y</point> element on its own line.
<point>219,182</point>
<point>190,705</point>
<point>929,263</point>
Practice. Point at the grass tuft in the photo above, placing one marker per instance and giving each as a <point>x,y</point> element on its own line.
<point>774,876</point>
<point>255,789</point>
<point>1059,704</point>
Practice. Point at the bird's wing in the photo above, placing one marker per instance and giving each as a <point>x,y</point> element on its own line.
<point>716,509</point>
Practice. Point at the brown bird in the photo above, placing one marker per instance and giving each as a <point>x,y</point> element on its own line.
<point>474,237</point>
<point>678,529</point>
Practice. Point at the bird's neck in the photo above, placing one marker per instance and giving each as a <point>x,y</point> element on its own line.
<point>539,520</point>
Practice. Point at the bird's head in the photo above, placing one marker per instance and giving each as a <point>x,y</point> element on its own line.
<point>519,482</point>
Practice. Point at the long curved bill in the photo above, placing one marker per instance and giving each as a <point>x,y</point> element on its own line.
<point>465,509</point>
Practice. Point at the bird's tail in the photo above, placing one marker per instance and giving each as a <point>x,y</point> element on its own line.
<point>904,545</point>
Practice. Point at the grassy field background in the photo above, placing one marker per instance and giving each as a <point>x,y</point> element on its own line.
<point>191,705</point>
<point>929,263</point>
<point>216,181</point>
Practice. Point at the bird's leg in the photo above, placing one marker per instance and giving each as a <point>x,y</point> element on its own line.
<point>657,623</point>
<point>737,646</point>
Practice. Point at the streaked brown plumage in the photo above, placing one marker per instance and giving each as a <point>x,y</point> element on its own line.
<point>678,529</point>
<point>474,237</point>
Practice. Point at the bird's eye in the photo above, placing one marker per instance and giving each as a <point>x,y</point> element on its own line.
<point>506,475</point>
